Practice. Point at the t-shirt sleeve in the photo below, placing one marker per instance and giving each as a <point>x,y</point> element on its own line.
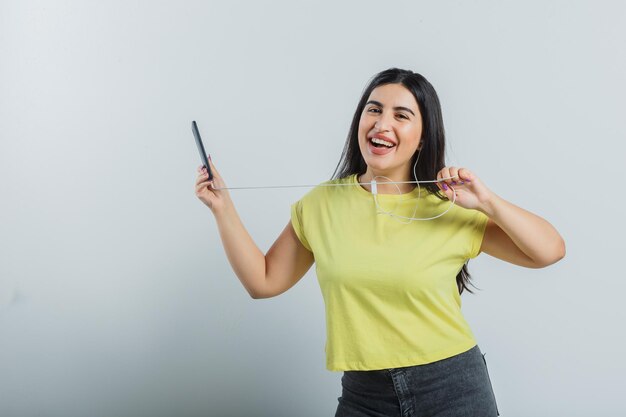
<point>477,226</point>
<point>296,222</point>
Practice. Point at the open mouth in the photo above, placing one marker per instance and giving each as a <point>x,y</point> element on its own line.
<point>379,148</point>
<point>377,143</point>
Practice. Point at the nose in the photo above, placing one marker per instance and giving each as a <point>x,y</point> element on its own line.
<point>383,123</point>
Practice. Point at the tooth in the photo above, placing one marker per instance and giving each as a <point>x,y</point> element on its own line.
<point>383,142</point>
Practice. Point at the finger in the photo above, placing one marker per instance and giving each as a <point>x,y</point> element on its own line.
<point>445,174</point>
<point>214,170</point>
<point>203,171</point>
<point>439,176</point>
<point>201,177</point>
<point>215,183</point>
<point>442,182</point>
<point>203,185</point>
<point>465,175</point>
<point>459,176</point>
<point>454,175</point>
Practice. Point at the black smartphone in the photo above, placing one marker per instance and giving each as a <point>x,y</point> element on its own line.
<point>205,161</point>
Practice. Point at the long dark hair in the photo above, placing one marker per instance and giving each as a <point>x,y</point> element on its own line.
<point>433,140</point>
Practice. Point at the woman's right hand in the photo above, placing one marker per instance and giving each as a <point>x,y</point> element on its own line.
<point>206,191</point>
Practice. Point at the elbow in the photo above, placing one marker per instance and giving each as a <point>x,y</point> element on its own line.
<point>259,295</point>
<point>259,290</point>
<point>256,295</point>
<point>553,256</point>
<point>561,253</point>
<point>262,296</point>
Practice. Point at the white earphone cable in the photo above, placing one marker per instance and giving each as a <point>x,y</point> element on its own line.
<point>374,191</point>
<point>419,194</point>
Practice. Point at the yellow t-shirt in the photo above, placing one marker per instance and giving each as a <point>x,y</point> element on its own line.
<point>389,288</point>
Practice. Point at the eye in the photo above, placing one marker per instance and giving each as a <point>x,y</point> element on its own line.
<point>376,110</point>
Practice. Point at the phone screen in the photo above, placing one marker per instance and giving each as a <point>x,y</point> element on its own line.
<point>205,161</point>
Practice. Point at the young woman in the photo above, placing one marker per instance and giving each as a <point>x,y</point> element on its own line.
<point>391,253</point>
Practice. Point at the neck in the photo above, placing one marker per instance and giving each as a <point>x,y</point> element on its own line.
<point>386,188</point>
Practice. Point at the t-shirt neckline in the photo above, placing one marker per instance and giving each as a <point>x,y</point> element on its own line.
<point>415,193</point>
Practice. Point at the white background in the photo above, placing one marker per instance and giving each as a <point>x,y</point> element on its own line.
<point>116,297</point>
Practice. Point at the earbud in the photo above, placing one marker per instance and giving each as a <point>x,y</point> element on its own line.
<point>419,194</point>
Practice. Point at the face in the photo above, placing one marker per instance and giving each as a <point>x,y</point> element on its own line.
<point>392,112</point>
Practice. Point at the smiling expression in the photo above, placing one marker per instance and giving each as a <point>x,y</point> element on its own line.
<point>391,114</point>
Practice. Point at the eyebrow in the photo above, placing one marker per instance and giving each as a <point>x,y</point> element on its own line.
<point>378,103</point>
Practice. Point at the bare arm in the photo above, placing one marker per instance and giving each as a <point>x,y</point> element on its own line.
<point>269,275</point>
<point>286,263</point>
<point>519,236</point>
<point>245,257</point>
<point>263,276</point>
<point>513,234</point>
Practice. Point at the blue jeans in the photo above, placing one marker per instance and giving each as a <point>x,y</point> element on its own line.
<point>452,387</point>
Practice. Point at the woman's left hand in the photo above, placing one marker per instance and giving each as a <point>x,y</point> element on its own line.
<point>471,193</point>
